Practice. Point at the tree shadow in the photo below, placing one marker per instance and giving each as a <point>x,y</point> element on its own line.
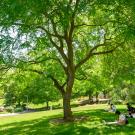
<point>93,125</point>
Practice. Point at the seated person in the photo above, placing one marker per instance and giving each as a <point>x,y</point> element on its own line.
<point>131,111</point>
<point>122,120</point>
<point>112,108</point>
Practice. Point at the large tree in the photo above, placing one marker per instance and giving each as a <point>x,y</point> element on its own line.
<point>66,32</point>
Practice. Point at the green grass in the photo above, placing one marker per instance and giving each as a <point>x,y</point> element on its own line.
<point>38,123</point>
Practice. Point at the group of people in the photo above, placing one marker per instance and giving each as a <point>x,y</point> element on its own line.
<point>122,118</point>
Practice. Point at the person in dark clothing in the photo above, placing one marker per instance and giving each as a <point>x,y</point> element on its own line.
<point>131,111</point>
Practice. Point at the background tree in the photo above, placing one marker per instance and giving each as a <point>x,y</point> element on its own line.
<point>118,69</point>
<point>41,91</point>
<point>28,87</point>
<point>72,31</point>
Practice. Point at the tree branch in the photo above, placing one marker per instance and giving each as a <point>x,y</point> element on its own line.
<point>91,53</point>
<point>34,70</point>
<point>43,60</point>
<point>105,52</point>
<point>51,34</point>
<point>57,85</point>
<point>60,50</point>
<point>72,23</point>
<point>64,68</point>
<point>92,25</point>
<point>88,55</point>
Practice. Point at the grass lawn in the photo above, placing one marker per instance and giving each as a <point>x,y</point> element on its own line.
<point>38,123</point>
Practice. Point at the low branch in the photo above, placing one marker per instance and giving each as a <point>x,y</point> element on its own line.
<point>57,85</point>
<point>51,58</point>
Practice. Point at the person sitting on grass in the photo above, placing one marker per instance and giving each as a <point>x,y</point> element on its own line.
<point>112,108</point>
<point>131,111</point>
<point>122,120</point>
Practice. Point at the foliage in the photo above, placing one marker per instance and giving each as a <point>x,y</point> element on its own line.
<point>59,37</point>
<point>18,109</point>
<point>9,109</point>
<point>41,90</point>
<point>118,69</point>
<point>28,88</point>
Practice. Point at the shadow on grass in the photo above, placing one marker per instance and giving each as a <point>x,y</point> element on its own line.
<point>92,125</point>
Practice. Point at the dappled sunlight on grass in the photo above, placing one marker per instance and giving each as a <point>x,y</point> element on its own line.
<point>39,124</point>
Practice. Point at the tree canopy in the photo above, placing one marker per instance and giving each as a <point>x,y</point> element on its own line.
<point>60,36</point>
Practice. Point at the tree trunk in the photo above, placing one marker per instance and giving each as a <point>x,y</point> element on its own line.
<point>90,98</point>
<point>67,96</point>
<point>47,104</point>
<point>66,107</point>
<point>97,97</point>
<point>105,94</point>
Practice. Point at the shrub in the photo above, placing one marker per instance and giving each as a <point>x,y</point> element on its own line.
<point>24,106</point>
<point>9,109</point>
<point>18,109</point>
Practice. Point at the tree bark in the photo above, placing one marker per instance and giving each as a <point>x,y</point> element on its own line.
<point>90,98</point>
<point>97,97</point>
<point>47,104</point>
<point>105,94</point>
<point>67,95</point>
<point>67,107</point>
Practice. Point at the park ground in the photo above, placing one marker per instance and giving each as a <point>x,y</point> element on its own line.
<point>41,123</point>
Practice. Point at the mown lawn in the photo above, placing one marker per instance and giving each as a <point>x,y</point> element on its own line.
<point>38,123</point>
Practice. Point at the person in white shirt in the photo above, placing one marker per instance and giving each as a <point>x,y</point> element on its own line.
<point>112,108</point>
<point>122,120</point>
